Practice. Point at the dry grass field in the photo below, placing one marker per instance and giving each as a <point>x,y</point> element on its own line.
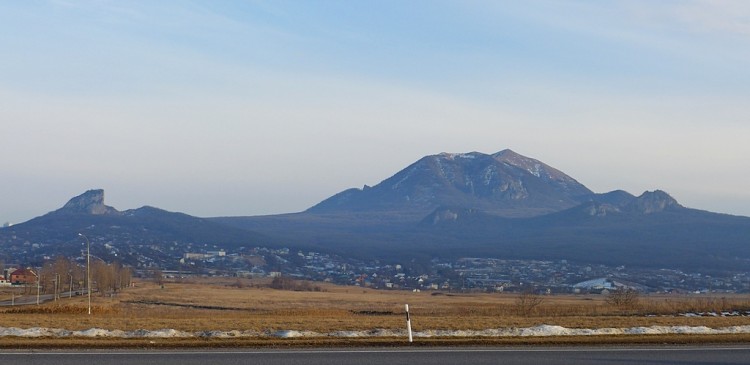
<point>229,304</point>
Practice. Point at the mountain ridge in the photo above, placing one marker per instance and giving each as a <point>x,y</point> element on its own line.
<point>445,205</point>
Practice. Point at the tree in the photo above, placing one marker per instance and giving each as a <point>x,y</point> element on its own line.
<point>125,277</point>
<point>63,269</point>
<point>63,273</point>
<point>102,275</point>
<point>79,276</point>
<point>623,298</point>
<point>283,283</point>
<point>527,301</point>
<point>158,276</point>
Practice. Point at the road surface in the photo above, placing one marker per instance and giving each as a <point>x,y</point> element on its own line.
<point>698,355</point>
<point>31,298</point>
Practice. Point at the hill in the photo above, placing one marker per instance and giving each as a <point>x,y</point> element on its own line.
<point>137,237</point>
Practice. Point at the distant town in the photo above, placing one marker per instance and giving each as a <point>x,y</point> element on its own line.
<point>465,274</point>
<point>461,275</point>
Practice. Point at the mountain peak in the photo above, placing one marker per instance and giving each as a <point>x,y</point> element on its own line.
<point>654,202</point>
<point>507,153</point>
<point>453,156</point>
<point>505,183</point>
<point>90,202</point>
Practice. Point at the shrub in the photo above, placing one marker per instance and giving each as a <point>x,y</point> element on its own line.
<point>527,301</point>
<point>623,298</point>
<point>286,283</point>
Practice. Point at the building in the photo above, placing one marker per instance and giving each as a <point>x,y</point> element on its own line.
<point>23,276</point>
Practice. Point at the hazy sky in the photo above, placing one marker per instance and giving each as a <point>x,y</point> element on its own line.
<point>219,108</point>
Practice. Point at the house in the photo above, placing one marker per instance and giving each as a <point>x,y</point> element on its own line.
<point>7,272</point>
<point>23,276</point>
<point>194,256</point>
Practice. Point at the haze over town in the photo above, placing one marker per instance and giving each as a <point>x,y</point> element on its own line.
<point>245,108</point>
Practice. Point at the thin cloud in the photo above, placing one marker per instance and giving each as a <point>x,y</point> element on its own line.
<point>707,16</point>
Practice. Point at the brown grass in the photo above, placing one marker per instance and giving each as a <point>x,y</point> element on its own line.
<point>224,305</point>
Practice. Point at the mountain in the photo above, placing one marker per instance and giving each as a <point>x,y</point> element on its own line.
<point>446,206</point>
<point>504,183</point>
<point>146,234</point>
<point>506,205</point>
<point>651,230</point>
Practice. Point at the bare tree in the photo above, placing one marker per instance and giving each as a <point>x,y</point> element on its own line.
<point>125,277</point>
<point>45,276</point>
<point>79,276</point>
<point>64,270</point>
<point>623,298</point>
<point>61,266</point>
<point>158,276</point>
<point>527,301</point>
<point>103,275</point>
<point>61,273</point>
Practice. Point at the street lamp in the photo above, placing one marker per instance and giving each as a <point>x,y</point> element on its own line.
<point>88,267</point>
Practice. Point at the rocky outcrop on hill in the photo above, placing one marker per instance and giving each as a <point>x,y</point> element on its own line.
<point>90,202</point>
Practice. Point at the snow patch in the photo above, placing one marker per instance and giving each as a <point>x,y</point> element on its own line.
<point>489,174</point>
<point>536,170</point>
<point>537,331</point>
<point>453,156</point>
<point>98,332</point>
<point>295,334</point>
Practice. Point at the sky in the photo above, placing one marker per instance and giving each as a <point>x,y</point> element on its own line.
<point>235,108</point>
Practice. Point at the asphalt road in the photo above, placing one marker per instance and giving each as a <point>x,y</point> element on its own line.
<point>30,299</point>
<point>438,356</point>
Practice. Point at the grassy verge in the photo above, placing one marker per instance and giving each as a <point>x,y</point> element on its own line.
<point>248,306</point>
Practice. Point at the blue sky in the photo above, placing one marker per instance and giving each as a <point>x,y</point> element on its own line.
<point>260,107</point>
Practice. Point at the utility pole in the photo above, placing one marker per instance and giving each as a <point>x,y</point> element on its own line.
<point>88,268</point>
<point>57,286</point>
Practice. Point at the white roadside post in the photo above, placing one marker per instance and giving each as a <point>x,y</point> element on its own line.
<point>408,323</point>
